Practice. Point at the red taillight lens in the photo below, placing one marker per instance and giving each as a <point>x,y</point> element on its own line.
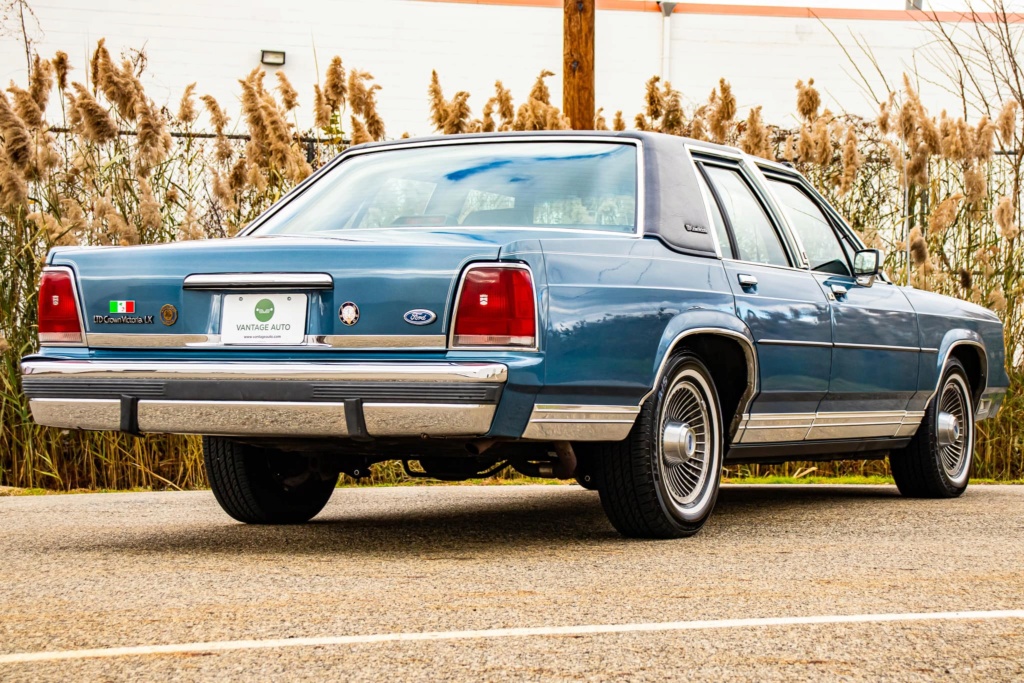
<point>58,310</point>
<point>496,308</point>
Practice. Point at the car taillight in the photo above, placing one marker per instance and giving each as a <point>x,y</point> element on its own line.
<point>496,308</point>
<point>59,322</point>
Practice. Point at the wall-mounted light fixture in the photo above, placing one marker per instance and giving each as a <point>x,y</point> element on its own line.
<point>273,57</point>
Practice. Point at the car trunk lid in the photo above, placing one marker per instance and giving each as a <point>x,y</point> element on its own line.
<point>380,290</point>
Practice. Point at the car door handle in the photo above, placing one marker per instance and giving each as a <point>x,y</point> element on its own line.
<point>838,290</point>
<point>747,281</point>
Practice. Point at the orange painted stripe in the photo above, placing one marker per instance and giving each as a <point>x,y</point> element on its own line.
<point>766,11</point>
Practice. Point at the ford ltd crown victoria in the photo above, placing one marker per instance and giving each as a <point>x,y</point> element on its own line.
<point>631,310</point>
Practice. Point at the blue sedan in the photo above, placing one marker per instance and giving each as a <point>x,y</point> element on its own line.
<point>631,310</point>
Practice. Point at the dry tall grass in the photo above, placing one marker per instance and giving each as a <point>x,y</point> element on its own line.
<point>940,195</point>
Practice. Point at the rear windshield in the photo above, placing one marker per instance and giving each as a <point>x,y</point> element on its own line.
<point>581,185</point>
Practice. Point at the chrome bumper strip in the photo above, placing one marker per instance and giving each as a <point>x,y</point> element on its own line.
<point>365,372</point>
<point>142,410</point>
<point>558,422</point>
<point>267,418</point>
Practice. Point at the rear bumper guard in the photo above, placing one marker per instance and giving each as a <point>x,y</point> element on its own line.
<point>355,400</point>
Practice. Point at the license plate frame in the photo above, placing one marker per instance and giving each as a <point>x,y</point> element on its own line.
<point>247,320</point>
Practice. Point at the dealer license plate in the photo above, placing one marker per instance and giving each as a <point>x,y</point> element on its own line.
<point>263,319</point>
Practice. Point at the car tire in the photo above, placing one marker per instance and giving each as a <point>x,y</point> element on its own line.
<point>263,485</point>
<point>937,461</point>
<point>662,481</point>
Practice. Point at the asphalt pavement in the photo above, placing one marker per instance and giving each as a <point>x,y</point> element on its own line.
<point>423,583</point>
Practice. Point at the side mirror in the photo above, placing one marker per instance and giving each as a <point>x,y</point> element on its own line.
<point>866,265</point>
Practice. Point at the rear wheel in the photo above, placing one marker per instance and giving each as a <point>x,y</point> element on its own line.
<point>663,480</point>
<point>263,485</point>
<point>937,462</point>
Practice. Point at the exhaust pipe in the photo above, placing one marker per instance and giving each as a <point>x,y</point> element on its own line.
<point>566,466</point>
<point>563,468</point>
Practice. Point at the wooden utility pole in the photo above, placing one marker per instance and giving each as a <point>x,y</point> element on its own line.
<point>578,63</point>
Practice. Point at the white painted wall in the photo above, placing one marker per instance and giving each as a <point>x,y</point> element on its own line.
<point>400,41</point>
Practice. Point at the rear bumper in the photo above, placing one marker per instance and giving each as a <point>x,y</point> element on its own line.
<point>399,399</point>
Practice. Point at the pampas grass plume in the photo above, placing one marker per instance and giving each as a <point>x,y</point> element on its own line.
<point>918,247</point>
<point>359,132</point>
<point>807,100</point>
<point>17,141</point>
<point>540,90</point>
<point>289,96</point>
<point>187,107</point>
<point>438,104</point>
<point>61,66</point>
<point>1004,216</point>
<point>1007,123</point>
<point>852,161</point>
<point>618,123</point>
<point>335,90</point>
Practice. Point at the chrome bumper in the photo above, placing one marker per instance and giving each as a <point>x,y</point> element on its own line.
<point>266,399</point>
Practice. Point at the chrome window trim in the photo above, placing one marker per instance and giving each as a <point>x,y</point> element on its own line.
<point>258,281</point>
<point>458,296</point>
<point>838,221</point>
<point>641,199</point>
<point>785,221</point>
<point>702,186</point>
<point>740,164</point>
<point>79,308</point>
<point>769,265</point>
<point>431,372</point>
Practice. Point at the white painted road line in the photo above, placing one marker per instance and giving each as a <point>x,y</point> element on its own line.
<point>229,645</point>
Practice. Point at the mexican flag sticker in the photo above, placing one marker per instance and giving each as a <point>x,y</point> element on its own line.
<point>122,306</point>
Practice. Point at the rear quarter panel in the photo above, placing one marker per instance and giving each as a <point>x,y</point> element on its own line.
<point>609,305</point>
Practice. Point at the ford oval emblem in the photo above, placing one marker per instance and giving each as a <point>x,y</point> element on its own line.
<point>420,316</point>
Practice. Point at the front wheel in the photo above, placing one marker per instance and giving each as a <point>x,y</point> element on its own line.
<point>937,462</point>
<point>264,485</point>
<point>663,480</point>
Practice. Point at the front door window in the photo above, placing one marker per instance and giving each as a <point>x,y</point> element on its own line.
<point>824,251</point>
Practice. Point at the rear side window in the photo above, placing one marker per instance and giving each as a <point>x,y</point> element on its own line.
<point>824,251</point>
<point>717,220</point>
<point>756,239</point>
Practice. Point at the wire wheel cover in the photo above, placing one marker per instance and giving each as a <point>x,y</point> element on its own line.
<point>686,441</point>
<point>954,426</point>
